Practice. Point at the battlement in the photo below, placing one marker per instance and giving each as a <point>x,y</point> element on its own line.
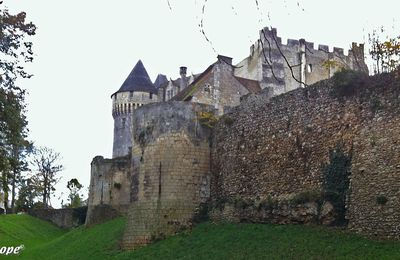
<point>272,36</point>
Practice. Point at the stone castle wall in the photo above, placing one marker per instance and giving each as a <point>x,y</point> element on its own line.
<point>110,184</point>
<point>171,166</point>
<point>269,58</point>
<point>275,148</point>
<point>219,88</point>
<point>264,154</point>
<point>124,103</point>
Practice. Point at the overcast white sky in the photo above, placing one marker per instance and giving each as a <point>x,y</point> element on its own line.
<point>86,48</point>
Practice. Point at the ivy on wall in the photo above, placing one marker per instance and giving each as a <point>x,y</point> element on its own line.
<point>336,180</point>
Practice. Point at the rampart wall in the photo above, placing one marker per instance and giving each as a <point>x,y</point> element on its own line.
<point>110,188</point>
<point>63,218</point>
<point>275,149</point>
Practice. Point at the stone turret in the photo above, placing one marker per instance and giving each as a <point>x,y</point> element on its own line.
<point>136,91</point>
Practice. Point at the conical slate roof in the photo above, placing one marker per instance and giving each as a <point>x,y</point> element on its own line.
<point>138,80</point>
<point>160,80</point>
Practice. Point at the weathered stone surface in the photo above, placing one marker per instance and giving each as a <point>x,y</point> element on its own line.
<point>171,163</point>
<point>268,60</point>
<point>276,147</point>
<point>327,215</point>
<point>63,218</point>
<point>101,213</point>
<point>110,184</point>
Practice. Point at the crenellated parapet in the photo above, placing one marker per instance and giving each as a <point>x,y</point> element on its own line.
<point>271,39</point>
<point>282,67</point>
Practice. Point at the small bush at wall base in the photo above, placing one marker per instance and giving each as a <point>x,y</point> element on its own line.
<point>381,200</point>
<point>307,196</point>
<point>268,204</point>
<point>201,213</point>
<point>241,203</point>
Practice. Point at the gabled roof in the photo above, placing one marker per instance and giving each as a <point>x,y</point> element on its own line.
<point>186,93</point>
<point>252,86</point>
<point>160,80</point>
<point>138,80</point>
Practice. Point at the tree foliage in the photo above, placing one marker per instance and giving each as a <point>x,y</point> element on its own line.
<point>74,197</point>
<point>27,195</point>
<point>385,52</point>
<point>15,50</point>
<point>46,163</point>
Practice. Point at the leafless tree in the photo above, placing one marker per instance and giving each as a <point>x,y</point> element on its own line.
<point>47,166</point>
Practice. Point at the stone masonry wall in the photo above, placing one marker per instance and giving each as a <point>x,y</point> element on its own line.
<point>63,218</point>
<point>276,149</point>
<point>123,105</point>
<point>171,166</point>
<point>110,184</point>
<point>220,88</point>
<point>268,60</point>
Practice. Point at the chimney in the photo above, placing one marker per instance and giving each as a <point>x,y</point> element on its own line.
<point>183,82</point>
<point>182,71</point>
<point>227,60</point>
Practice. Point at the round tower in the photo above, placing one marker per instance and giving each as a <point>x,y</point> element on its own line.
<point>136,91</point>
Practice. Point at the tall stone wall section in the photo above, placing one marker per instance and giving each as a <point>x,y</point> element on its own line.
<point>375,176</point>
<point>171,166</point>
<point>275,148</point>
<point>110,188</point>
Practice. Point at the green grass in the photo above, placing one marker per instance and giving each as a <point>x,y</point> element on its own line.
<point>24,229</point>
<point>206,241</point>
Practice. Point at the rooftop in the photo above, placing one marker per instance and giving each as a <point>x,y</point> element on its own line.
<point>138,80</point>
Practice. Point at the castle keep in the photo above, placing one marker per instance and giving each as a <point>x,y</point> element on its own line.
<point>234,138</point>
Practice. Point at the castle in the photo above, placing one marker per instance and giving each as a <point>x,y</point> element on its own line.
<point>273,67</point>
<point>172,158</point>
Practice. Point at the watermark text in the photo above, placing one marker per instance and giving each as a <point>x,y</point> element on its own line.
<point>11,250</point>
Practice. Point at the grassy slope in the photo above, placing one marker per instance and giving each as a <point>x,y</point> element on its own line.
<point>23,229</point>
<point>206,241</point>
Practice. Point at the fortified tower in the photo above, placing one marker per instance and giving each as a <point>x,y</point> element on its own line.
<point>136,91</point>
